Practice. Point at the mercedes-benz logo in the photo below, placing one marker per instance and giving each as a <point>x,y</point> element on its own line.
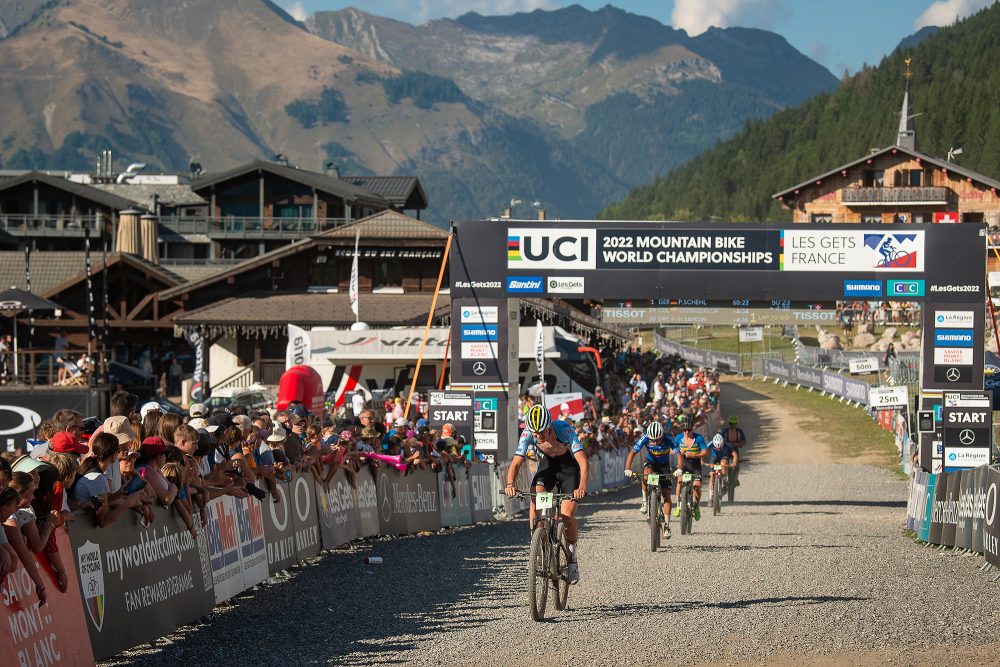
<point>385,504</point>
<point>479,368</point>
<point>967,436</point>
<point>953,375</point>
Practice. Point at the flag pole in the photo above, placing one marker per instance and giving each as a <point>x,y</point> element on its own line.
<point>354,277</point>
<point>427,328</point>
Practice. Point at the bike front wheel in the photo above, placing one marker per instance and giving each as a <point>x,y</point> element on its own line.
<point>560,562</point>
<point>717,495</point>
<point>538,576</point>
<point>685,503</point>
<point>654,518</point>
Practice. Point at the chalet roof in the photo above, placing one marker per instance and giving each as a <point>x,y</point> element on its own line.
<point>141,194</point>
<point>273,311</point>
<point>401,191</point>
<point>165,276</point>
<point>87,192</point>
<point>195,272</point>
<point>386,225</point>
<point>48,269</point>
<point>326,184</point>
<point>928,159</point>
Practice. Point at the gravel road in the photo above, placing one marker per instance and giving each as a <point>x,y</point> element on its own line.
<point>809,566</point>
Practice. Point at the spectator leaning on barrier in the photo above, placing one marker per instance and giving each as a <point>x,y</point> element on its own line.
<point>23,485</point>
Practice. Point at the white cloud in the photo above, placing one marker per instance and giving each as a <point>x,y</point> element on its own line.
<point>295,9</point>
<point>697,16</point>
<point>946,12</point>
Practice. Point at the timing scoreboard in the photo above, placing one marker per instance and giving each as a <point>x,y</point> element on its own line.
<point>734,312</point>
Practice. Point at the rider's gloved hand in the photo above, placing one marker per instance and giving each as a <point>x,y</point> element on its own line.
<point>510,490</point>
<point>678,472</point>
<point>628,473</point>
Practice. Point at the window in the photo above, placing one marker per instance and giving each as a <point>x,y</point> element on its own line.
<point>821,218</point>
<point>240,210</point>
<point>874,178</point>
<point>921,218</point>
<point>973,216</point>
<point>293,210</point>
<point>915,178</point>
<point>871,218</point>
<point>388,274</point>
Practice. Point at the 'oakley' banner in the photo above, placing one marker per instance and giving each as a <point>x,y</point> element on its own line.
<point>991,533</point>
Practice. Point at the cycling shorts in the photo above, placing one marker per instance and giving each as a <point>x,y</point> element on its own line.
<point>692,466</point>
<point>562,471</point>
<point>664,470</point>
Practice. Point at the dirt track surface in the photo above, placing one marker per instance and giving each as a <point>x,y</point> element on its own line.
<point>808,567</point>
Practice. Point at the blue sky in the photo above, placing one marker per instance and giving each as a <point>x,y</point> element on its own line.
<point>840,34</point>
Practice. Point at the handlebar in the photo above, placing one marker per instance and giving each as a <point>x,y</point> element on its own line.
<point>522,494</point>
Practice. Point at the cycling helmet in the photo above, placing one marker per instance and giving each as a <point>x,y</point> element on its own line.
<point>538,419</point>
<point>717,441</point>
<point>654,431</point>
<point>734,420</point>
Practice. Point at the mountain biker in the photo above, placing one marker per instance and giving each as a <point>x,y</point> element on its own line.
<point>723,453</point>
<point>691,451</point>
<point>735,438</point>
<point>658,449</point>
<point>561,461</point>
<point>886,250</point>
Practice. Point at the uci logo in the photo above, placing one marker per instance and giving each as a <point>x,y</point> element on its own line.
<point>551,248</point>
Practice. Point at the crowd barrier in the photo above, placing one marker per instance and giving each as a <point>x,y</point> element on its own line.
<point>726,362</point>
<point>131,584</point>
<point>957,509</point>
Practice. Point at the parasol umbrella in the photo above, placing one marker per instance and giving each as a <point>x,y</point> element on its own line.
<point>16,300</point>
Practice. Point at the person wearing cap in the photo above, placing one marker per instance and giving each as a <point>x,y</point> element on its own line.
<point>66,442</point>
<point>197,411</point>
<point>150,406</point>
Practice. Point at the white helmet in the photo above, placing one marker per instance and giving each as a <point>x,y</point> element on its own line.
<point>654,431</point>
<point>717,441</point>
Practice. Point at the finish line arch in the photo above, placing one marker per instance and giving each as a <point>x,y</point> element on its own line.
<point>495,263</point>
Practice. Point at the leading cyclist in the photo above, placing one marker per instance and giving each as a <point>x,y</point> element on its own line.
<point>691,451</point>
<point>657,461</point>
<point>562,462</point>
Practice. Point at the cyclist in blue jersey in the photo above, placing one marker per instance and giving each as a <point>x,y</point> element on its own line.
<point>691,451</point>
<point>722,453</point>
<point>658,450</point>
<point>562,462</point>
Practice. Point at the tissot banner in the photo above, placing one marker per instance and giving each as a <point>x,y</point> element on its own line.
<point>128,572</point>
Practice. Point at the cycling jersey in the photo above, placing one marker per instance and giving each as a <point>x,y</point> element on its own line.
<point>740,436</point>
<point>686,464</point>
<point>565,433</point>
<point>725,452</point>
<point>656,452</point>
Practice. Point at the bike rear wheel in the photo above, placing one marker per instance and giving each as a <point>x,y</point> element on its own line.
<point>538,576</point>
<point>560,561</point>
<point>685,509</point>
<point>654,518</point>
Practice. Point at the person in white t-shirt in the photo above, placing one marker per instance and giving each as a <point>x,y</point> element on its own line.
<point>358,403</point>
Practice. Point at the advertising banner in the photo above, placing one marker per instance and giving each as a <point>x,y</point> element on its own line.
<point>979,509</point>
<point>937,508</point>
<point>855,390</point>
<point>751,334</point>
<point>595,473</point>
<point>49,635</point>
<point>920,515</point>
<point>925,526</point>
<point>807,377</point>
<point>128,572</point>
<point>572,400</point>
<point>833,383</point>
<point>366,497</point>
<point>455,498</point>
<point>481,492</point>
<point>967,420</point>
<point>337,511</point>
<point>952,350</point>
<point>21,412</point>
<point>305,518</point>
<point>223,548</point>
<point>250,531</point>
<point>485,363</point>
<point>452,407</point>
<point>949,510</point>
<point>991,522</point>
<point>777,369</point>
<point>966,501</point>
<point>279,534</point>
<point>408,504</point>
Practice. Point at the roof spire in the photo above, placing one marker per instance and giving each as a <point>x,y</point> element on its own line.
<point>907,136</point>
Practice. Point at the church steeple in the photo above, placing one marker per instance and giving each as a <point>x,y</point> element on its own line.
<point>907,137</point>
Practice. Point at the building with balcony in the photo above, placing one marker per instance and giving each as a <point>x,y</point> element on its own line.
<point>896,184</point>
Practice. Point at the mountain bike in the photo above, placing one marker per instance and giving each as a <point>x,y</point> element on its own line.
<point>654,503</point>
<point>720,484</point>
<point>685,501</point>
<point>548,556</point>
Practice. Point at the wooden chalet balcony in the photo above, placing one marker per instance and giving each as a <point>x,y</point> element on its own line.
<point>894,196</point>
<point>29,225</point>
<point>232,227</point>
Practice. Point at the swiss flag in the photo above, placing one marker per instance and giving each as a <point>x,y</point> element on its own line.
<point>942,217</point>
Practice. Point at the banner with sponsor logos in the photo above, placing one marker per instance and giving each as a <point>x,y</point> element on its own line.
<point>979,510</point>
<point>991,513</point>
<point>279,533</point>
<point>233,538</point>
<point>949,509</point>
<point>21,412</point>
<point>924,531</point>
<point>455,499</point>
<point>336,508</point>
<point>966,497</point>
<point>937,508</point>
<point>407,504</point>
<point>480,492</point>
<point>305,519</point>
<point>367,499</point>
<point>128,572</point>
<point>49,635</point>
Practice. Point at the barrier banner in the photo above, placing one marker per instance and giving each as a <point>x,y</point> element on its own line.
<point>513,506</point>
<point>920,503</point>
<point>223,548</point>
<point>305,519</point>
<point>727,362</point>
<point>366,498</point>
<point>912,502</point>
<point>979,509</point>
<point>807,377</point>
<point>481,492</point>
<point>595,472</point>
<point>55,634</point>
<point>991,523</point>
<point>925,525</point>
<point>855,390</point>
<point>250,530</point>
<point>407,504</point>
<point>963,530</point>
<point>777,369</point>
<point>128,573</point>
<point>833,383</point>
<point>337,511</point>
<point>949,510</point>
<point>279,534</point>
<point>937,508</point>
<point>455,508</point>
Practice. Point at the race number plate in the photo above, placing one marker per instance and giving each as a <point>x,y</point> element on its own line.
<point>543,501</point>
<point>687,477</point>
<point>653,479</point>
<point>717,468</point>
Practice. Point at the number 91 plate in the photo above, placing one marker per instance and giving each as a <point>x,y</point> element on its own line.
<point>543,501</point>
